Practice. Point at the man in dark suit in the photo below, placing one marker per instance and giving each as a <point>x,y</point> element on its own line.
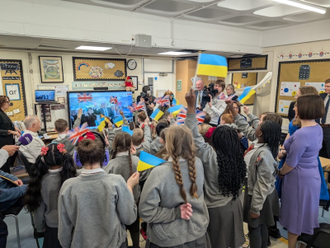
<point>325,121</point>
<point>106,111</point>
<point>200,103</point>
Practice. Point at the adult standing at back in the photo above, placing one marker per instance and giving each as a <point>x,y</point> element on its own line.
<point>200,104</point>
<point>147,98</point>
<point>301,182</point>
<point>325,121</point>
<point>230,90</point>
<point>7,131</point>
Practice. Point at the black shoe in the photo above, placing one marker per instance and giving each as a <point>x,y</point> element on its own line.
<point>268,242</point>
<point>274,233</point>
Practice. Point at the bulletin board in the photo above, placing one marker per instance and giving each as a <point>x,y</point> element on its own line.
<point>91,69</point>
<point>241,80</point>
<point>248,63</point>
<point>294,74</point>
<point>12,83</point>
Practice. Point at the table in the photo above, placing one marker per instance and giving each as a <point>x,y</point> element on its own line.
<point>324,162</point>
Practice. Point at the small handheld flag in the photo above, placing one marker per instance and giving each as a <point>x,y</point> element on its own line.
<point>247,93</point>
<point>118,121</point>
<point>148,161</point>
<point>174,101</point>
<point>157,114</point>
<point>212,65</point>
<point>101,126</point>
<point>222,96</point>
<point>164,101</point>
<point>127,130</point>
<point>175,110</point>
<point>75,134</point>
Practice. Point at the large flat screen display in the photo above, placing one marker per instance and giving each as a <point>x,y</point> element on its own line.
<point>95,103</point>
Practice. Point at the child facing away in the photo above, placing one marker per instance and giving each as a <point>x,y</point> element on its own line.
<point>261,201</point>
<point>156,145</point>
<point>123,163</point>
<point>225,172</point>
<point>141,137</point>
<point>95,206</point>
<point>52,168</point>
<point>62,127</point>
<point>172,200</point>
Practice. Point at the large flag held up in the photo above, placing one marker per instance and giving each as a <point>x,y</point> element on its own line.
<point>212,65</point>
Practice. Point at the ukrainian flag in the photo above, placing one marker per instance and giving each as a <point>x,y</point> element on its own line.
<point>212,65</point>
<point>247,93</point>
<point>101,125</point>
<point>118,121</point>
<point>175,110</point>
<point>127,130</point>
<point>148,161</point>
<point>174,101</point>
<point>157,114</point>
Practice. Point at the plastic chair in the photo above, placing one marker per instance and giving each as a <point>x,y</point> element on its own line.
<point>320,238</point>
<point>13,211</point>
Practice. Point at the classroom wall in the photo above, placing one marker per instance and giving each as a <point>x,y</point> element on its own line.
<point>32,80</point>
<point>268,103</point>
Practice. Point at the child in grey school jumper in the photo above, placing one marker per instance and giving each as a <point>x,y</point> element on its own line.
<point>224,171</point>
<point>123,163</point>
<point>141,138</point>
<point>172,200</point>
<point>47,175</point>
<point>156,144</point>
<point>95,206</point>
<point>261,201</point>
<point>61,127</point>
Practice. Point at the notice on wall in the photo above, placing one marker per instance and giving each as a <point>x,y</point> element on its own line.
<point>318,85</point>
<point>283,107</point>
<point>178,85</point>
<point>13,92</point>
<point>289,88</point>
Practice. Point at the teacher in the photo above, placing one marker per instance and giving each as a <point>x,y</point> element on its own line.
<point>7,131</point>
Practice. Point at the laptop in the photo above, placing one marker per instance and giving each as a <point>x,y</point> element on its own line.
<point>45,96</point>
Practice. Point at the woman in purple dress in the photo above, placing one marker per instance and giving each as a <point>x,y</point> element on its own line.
<point>301,178</point>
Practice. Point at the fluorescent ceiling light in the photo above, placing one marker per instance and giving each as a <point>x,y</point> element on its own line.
<point>93,48</point>
<point>174,53</point>
<point>301,5</point>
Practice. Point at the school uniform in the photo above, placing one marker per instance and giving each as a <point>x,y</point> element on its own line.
<point>46,215</point>
<point>64,139</point>
<point>244,126</point>
<point>260,196</point>
<point>155,146</point>
<point>105,206</point>
<point>160,207</point>
<point>226,215</point>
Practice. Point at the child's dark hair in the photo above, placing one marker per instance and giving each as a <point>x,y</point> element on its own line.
<point>232,168</point>
<point>53,158</point>
<point>207,118</point>
<point>271,133</point>
<point>61,125</point>
<point>273,117</point>
<point>91,151</point>
<point>142,116</point>
<point>160,126</point>
<point>122,143</point>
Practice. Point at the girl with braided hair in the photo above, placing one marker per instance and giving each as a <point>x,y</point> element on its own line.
<point>224,171</point>
<point>123,163</point>
<point>172,200</point>
<point>47,175</point>
<point>261,200</point>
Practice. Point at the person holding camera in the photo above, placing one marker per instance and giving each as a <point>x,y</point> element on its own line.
<point>147,98</point>
<point>215,106</point>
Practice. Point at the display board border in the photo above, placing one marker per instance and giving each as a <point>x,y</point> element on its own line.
<point>279,77</point>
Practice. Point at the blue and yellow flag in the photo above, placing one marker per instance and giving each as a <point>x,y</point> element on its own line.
<point>157,114</point>
<point>148,161</point>
<point>127,130</point>
<point>118,121</point>
<point>247,93</point>
<point>175,110</point>
<point>174,101</point>
<point>212,65</point>
<point>101,126</point>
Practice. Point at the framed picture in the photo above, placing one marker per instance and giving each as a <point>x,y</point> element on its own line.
<point>51,69</point>
<point>135,82</point>
<point>12,91</point>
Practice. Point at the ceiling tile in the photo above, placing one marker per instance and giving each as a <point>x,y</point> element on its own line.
<point>278,11</point>
<point>209,13</point>
<point>169,6</point>
<point>322,3</point>
<point>241,19</point>
<point>268,24</point>
<point>242,5</point>
<point>305,17</point>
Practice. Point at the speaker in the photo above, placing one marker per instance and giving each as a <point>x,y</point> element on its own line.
<point>142,40</point>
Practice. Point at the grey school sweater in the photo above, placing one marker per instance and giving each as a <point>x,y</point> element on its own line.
<point>93,211</point>
<point>261,180</point>
<point>67,143</point>
<point>160,201</point>
<point>205,152</point>
<point>155,146</point>
<point>120,166</point>
<point>47,213</point>
<point>245,128</point>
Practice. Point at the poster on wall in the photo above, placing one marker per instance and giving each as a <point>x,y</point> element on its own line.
<point>289,88</point>
<point>318,85</point>
<point>99,69</point>
<point>283,107</point>
<point>12,85</point>
<point>51,69</point>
